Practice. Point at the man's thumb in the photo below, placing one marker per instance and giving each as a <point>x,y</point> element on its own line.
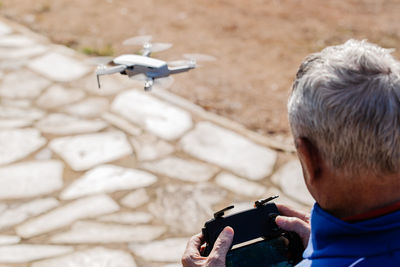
<point>222,244</point>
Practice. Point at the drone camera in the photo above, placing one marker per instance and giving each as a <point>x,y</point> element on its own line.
<point>148,84</point>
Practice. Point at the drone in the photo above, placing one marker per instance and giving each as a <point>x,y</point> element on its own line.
<point>134,65</point>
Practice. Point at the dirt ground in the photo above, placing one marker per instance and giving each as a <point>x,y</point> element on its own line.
<point>258,43</point>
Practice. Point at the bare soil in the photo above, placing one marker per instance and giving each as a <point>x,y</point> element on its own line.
<point>258,43</point>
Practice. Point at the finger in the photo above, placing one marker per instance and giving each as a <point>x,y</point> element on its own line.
<point>291,212</point>
<point>194,244</point>
<point>222,246</point>
<point>296,225</point>
<point>191,256</point>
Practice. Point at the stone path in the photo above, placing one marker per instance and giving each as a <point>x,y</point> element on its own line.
<point>116,176</point>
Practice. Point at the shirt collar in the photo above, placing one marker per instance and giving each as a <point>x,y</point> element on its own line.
<point>373,213</point>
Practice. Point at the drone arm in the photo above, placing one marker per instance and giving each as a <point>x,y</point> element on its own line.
<point>173,70</point>
<point>102,70</point>
<point>146,52</point>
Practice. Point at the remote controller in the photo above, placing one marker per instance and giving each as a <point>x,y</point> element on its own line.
<point>251,224</point>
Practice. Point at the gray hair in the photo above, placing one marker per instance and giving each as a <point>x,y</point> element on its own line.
<point>346,101</point>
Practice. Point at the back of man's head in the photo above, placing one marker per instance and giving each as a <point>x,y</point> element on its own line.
<point>346,101</point>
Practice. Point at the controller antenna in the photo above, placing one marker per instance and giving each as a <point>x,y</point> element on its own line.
<point>261,202</point>
<point>221,213</point>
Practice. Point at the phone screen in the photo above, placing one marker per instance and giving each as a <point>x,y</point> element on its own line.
<point>264,253</point>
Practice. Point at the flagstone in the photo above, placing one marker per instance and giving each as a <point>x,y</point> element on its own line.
<point>83,152</point>
<point>58,67</point>
<point>14,123</point>
<point>30,179</point>
<point>110,85</point>
<point>167,250</point>
<point>88,108</point>
<point>121,123</point>
<point>149,147</point>
<point>22,84</point>
<point>18,213</point>
<point>18,57</point>
<point>240,186</point>
<point>26,252</point>
<point>94,257</point>
<point>227,149</point>
<point>16,40</point>
<point>94,232</point>
<point>79,209</point>
<point>15,64</point>
<point>290,179</point>
<point>4,29</point>
<point>135,199</point>
<point>185,170</point>
<point>185,208</point>
<point>16,103</point>
<point>9,239</point>
<point>57,96</point>
<point>58,123</point>
<point>127,217</point>
<point>16,144</point>
<point>23,113</point>
<point>44,154</point>
<point>108,179</point>
<point>158,117</point>
<point>288,201</point>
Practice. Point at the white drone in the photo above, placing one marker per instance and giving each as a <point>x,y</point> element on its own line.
<point>151,68</point>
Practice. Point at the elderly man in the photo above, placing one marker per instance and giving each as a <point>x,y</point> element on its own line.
<point>344,112</point>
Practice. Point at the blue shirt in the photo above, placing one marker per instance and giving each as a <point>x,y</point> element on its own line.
<point>333,242</point>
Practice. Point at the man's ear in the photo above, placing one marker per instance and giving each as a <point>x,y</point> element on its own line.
<point>310,159</point>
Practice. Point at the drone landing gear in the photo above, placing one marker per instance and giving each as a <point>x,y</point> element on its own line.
<point>148,84</point>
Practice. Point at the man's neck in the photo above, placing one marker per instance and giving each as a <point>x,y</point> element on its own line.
<point>351,196</point>
<point>373,213</point>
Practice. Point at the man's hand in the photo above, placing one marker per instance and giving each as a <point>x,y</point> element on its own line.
<point>192,257</point>
<point>294,221</point>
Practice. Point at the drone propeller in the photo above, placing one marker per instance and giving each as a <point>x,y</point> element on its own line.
<point>178,63</point>
<point>165,82</point>
<point>199,57</point>
<point>138,40</point>
<point>158,47</point>
<point>145,42</point>
<point>183,63</point>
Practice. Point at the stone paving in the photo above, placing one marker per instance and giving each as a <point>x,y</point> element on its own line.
<point>116,176</point>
